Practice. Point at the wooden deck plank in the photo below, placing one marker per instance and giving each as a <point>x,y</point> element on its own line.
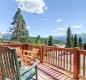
<point>49,72</point>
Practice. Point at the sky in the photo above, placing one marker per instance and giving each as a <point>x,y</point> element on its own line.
<point>45,17</point>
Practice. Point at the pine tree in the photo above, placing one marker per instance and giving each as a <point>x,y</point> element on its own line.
<point>38,40</point>
<point>19,31</point>
<point>25,36</point>
<point>72,41</point>
<point>75,41</point>
<point>45,42</point>
<point>68,40</point>
<point>50,41</point>
<point>80,43</point>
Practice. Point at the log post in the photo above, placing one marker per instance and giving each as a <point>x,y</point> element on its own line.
<point>76,64</point>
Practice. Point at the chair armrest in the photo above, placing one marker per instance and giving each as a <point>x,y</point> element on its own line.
<point>19,61</point>
<point>30,67</point>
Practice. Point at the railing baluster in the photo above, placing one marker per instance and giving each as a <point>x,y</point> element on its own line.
<point>64,60</point>
<point>61,58</point>
<point>56,58</point>
<point>67,60</point>
<point>70,62</point>
<point>53,57</point>
<point>83,65</point>
<point>48,57</point>
<point>47,54</point>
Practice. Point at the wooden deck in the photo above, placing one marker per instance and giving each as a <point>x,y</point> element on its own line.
<point>49,72</point>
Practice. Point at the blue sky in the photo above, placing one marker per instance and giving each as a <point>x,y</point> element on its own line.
<point>45,17</point>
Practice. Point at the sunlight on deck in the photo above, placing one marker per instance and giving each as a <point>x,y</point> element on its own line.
<point>48,72</point>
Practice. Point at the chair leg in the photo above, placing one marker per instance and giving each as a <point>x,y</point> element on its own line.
<point>36,73</point>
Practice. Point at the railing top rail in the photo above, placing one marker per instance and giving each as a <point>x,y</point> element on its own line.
<point>59,49</point>
<point>32,44</point>
<point>82,52</point>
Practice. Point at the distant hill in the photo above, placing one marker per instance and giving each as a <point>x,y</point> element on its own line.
<point>43,39</point>
<point>83,36</point>
<point>57,38</point>
<point>6,36</point>
<point>63,38</point>
<point>1,35</point>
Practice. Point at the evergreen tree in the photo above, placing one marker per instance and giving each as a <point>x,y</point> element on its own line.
<point>75,41</point>
<point>50,41</point>
<point>80,42</point>
<point>1,39</point>
<point>19,31</point>
<point>68,40</point>
<point>45,42</point>
<point>38,40</point>
<point>25,36</point>
<point>72,41</point>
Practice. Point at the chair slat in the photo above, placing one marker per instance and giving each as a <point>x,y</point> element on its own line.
<point>8,63</point>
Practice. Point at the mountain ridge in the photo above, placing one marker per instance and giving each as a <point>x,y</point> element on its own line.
<point>61,38</point>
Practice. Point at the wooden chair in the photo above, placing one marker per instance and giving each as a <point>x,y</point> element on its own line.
<point>10,67</point>
<point>19,52</point>
<point>31,55</point>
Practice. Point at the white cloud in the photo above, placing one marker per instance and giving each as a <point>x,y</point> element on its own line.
<point>55,31</point>
<point>77,26</point>
<point>46,8</point>
<point>28,27</point>
<point>61,29</point>
<point>59,20</point>
<point>32,6</point>
<point>44,19</point>
<point>61,34</point>
<point>45,36</point>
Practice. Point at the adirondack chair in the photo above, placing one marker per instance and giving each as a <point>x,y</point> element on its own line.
<point>19,51</point>
<point>10,67</point>
<point>31,54</point>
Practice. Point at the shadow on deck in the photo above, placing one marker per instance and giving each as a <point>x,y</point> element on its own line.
<point>49,72</point>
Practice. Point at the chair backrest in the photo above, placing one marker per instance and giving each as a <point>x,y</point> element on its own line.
<point>19,51</point>
<point>35,50</point>
<point>9,64</point>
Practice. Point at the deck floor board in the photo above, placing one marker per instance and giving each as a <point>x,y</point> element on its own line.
<point>49,72</point>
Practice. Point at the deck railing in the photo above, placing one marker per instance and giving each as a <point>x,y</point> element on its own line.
<point>72,60</point>
<point>82,63</point>
<point>59,57</point>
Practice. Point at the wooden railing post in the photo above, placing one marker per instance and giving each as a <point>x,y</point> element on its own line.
<point>25,46</point>
<point>76,64</point>
<point>41,54</point>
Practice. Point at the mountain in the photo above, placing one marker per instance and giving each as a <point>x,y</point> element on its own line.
<point>63,38</point>
<point>6,36</point>
<point>83,36</point>
<point>60,38</point>
<point>1,35</point>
